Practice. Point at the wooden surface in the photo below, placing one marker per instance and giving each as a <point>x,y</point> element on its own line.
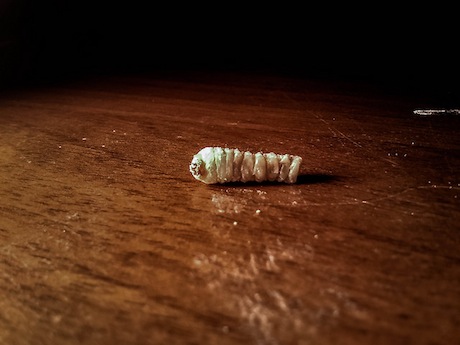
<point>105,237</point>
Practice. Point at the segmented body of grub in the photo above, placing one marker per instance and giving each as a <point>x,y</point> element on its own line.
<point>221,165</point>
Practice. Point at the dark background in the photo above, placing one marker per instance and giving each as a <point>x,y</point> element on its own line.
<point>47,41</point>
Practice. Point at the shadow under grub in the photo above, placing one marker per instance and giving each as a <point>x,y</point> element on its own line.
<point>317,178</point>
<point>301,180</point>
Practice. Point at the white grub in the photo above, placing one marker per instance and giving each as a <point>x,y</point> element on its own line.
<point>221,165</point>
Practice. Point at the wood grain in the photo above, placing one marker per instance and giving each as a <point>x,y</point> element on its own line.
<point>106,238</point>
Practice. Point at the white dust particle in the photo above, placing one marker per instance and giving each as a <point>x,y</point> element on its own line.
<point>103,145</point>
<point>257,211</point>
<point>74,216</point>
<point>84,139</point>
<point>60,146</point>
<point>235,223</point>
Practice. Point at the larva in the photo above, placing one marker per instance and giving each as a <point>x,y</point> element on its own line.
<point>220,165</point>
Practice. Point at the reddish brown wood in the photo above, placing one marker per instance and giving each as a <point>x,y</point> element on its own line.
<point>106,238</point>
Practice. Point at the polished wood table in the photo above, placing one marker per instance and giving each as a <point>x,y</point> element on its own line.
<point>106,238</point>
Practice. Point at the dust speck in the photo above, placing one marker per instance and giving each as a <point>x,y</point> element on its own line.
<point>56,319</point>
